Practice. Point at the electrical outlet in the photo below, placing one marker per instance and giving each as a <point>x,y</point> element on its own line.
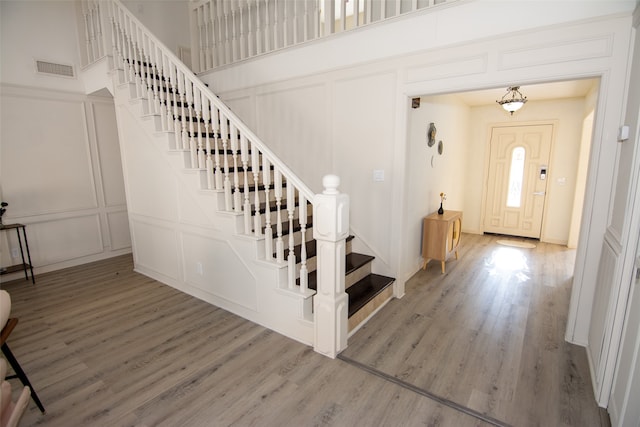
<point>15,253</point>
<point>199,268</point>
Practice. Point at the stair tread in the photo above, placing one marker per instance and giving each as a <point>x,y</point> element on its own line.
<point>353,261</point>
<point>365,290</point>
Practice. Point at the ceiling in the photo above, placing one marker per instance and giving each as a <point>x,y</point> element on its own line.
<point>534,92</point>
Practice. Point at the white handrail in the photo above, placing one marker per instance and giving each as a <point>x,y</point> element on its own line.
<point>214,100</point>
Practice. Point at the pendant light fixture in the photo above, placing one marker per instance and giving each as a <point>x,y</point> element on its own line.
<point>513,100</point>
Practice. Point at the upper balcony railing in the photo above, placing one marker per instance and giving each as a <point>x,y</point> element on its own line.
<point>228,31</point>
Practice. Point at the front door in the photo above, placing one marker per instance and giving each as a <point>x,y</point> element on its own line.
<point>517,179</point>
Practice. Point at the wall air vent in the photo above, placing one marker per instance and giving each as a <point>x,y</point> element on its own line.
<point>51,68</point>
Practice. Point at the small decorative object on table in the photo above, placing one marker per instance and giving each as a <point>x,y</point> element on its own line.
<point>3,205</point>
<point>443,197</point>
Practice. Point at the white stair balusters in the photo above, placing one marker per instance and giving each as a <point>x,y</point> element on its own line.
<point>291,257</point>
<point>302,219</point>
<point>224,130</point>
<point>95,26</point>
<point>182,99</point>
<point>232,30</point>
<point>277,190</point>
<point>163,90</point>
<point>258,32</point>
<point>197,101</point>
<point>268,231</point>
<point>147,68</point>
<point>249,31</point>
<point>235,148</point>
<point>255,168</point>
<point>246,207</point>
<point>209,165</point>
<point>156,79</point>
<point>203,39</point>
<point>177,123</point>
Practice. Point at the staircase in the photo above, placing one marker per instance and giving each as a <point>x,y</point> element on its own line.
<point>244,188</point>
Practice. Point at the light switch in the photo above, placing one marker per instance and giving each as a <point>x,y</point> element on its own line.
<point>623,133</point>
<point>378,175</point>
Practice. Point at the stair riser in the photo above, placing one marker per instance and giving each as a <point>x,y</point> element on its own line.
<point>362,314</point>
<point>357,275</point>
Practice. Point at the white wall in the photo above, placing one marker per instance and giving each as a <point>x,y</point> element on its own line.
<point>429,173</point>
<point>168,20</point>
<point>327,74</point>
<point>43,30</point>
<point>62,177</point>
<point>61,172</point>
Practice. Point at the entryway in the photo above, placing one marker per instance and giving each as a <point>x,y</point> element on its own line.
<point>517,174</point>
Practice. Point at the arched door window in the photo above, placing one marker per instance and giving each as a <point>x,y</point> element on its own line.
<point>516,174</point>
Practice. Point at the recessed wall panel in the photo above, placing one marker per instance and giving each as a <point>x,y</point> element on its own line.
<point>213,266</point>
<point>109,154</point>
<point>46,165</point>
<point>156,248</point>
<point>64,239</point>
<point>119,233</point>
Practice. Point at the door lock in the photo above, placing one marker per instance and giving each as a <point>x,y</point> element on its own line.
<point>543,172</point>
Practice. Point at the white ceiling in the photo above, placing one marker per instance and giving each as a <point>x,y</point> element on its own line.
<point>537,92</point>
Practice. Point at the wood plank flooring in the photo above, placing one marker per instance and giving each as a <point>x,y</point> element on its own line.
<point>105,346</point>
<point>488,335</point>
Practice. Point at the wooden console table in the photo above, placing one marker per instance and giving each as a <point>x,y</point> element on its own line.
<point>441,237</point>
<point>25,266</point>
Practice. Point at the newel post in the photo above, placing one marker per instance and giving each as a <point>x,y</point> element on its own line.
<point>330,229</point>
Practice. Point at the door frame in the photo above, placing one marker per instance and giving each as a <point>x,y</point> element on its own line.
<point>487,156</point>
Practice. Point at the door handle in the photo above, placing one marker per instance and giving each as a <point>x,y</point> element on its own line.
<point>539,193</point>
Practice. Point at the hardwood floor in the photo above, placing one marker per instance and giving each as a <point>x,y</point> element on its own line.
<point>488,335</point>
<point>105,346</point>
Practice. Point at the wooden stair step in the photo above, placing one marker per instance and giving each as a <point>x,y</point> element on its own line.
<point>353,261</point>
<point>311,245</point>
<point>365,290</point>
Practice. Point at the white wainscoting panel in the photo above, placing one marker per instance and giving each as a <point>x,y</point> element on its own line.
<point>65,238</point>
<point>598,334</point>
<point>109,154</point>
<point>448,69</point>
<point>153,192</point>
<point>46,165</point>
<point>363,130</point>
<point>287,121</point>
<point>213,266</point>
<point>60,168</point>
<point>557,51</point>
<point>119,234</point>
<point>156,247</point>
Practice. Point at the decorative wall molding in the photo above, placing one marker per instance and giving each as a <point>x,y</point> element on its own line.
<point>78,227</point>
